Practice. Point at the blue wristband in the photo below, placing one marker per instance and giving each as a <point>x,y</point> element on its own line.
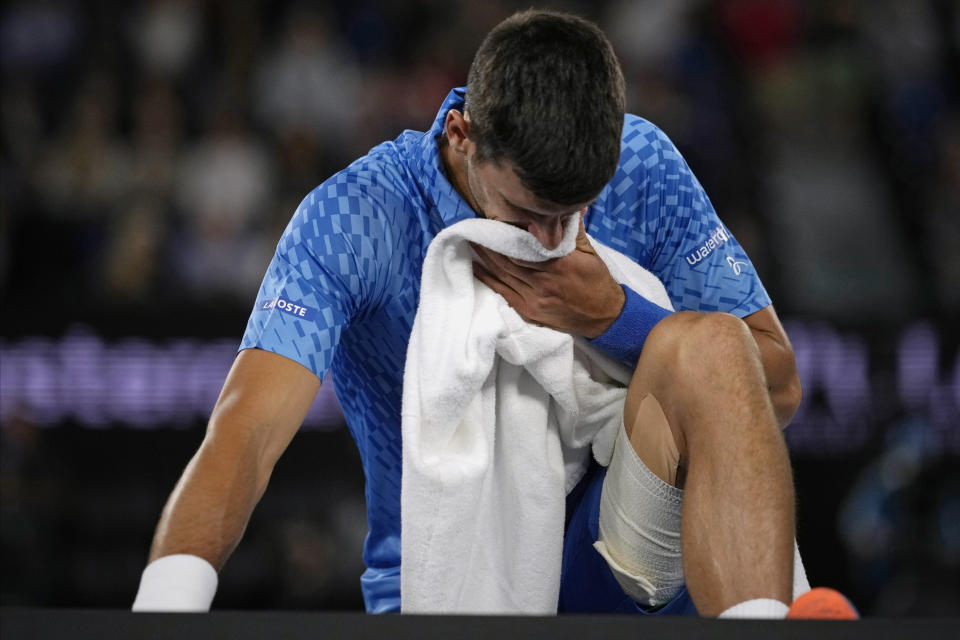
<point>625,337</point>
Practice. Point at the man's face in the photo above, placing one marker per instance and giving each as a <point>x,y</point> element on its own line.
<point>498,194</point>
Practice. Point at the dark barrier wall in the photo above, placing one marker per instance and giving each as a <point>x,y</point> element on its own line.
<point>41,624</point>
<point>151,154</point>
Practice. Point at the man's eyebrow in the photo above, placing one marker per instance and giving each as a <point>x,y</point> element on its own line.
<point>536,214</point>
<point>519,208</point>
<point>529,212</point>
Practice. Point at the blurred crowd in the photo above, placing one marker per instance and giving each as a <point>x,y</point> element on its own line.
<point>155,150</point>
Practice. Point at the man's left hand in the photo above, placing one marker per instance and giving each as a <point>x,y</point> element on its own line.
<point>575,293</point>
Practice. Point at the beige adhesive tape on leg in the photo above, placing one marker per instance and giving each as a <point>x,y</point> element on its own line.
<point>653,441</point>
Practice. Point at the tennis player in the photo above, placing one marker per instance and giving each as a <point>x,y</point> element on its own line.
<point>695,514</point>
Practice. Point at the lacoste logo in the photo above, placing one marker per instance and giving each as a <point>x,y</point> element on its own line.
<point>735,265</point>
<point>286,306</point>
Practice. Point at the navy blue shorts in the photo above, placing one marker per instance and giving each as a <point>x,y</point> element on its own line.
<point>586,583</point>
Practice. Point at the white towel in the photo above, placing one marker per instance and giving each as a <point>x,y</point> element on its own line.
<point>499,418</point>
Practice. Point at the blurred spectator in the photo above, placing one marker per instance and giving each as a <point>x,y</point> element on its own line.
<point>21,130</point>
<point>223,187</point>
<point>132,259</point>
<point>21,126</point>
<point>911,103</point>
<point>761,32</point>
<point>165,34</point>
<point>87,169</point>
<point>157,139</point>
<point>308,83</point>
<point>649,33</point>
<point>829,201</point>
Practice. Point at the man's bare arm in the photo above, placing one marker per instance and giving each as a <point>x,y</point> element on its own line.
<point>779,363</point>
<point>261,406</point>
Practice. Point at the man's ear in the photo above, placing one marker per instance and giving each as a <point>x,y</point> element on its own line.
<point>457,128</point>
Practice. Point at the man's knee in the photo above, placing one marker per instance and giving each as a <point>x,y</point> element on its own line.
<point>690,359</point>
<point>688,349</point>
<point>695,339</point>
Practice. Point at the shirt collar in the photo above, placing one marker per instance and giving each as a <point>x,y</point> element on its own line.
<point>429,167</point>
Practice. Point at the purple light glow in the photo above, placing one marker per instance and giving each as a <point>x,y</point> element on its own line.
<point>133,382</point>
<point>144,384</point>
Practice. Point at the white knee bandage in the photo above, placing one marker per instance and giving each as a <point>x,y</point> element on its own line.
<point>640,517</point>
<point>640,520</point>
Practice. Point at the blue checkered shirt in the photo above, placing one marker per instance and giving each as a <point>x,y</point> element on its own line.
<point>342,289</point>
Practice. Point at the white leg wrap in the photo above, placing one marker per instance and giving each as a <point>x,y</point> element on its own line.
<point>639,538</point>
<point>640,519</point>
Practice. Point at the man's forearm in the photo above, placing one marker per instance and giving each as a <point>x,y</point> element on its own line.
<point>263,402</point>
<point>208,510</point>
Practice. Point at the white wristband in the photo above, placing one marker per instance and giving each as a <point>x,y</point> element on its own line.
<point>180,582</point>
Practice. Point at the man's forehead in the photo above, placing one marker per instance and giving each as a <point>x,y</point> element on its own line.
<point>511,188</point>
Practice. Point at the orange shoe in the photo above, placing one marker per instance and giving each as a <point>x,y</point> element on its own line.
<point>822,603</point>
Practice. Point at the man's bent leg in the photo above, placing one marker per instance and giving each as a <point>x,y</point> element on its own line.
<point>702,374</point>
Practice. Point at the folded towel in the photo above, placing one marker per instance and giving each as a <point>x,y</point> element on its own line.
<point>499,418</point>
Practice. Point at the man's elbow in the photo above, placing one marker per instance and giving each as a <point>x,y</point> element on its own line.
<point>786,400</point>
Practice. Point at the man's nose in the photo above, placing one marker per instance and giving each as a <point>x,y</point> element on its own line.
<point>548,232</point>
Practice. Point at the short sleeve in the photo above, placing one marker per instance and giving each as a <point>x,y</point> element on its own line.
<point>320,277</point>
<point>701,264</point>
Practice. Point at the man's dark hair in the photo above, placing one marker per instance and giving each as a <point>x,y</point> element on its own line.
<point>545,92</point>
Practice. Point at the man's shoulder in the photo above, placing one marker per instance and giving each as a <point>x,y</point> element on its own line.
<point>651,168</point>
<point>644,191</point>
<point>645,155</point>
<point>362,212</point>
<point>378,184</point>
<point>633,123</point>
<point>644,140</point>
<point>384,171</point>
